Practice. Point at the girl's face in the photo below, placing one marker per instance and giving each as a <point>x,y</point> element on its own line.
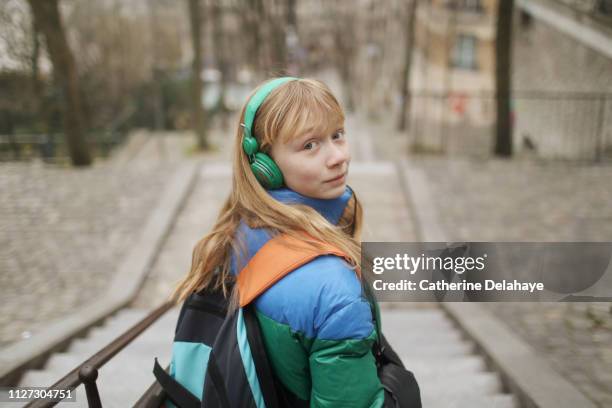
<point>313,164</point>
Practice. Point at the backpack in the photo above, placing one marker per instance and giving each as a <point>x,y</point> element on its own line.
<point>219,359</point>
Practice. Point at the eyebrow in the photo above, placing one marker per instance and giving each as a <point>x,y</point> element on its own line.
<point>309,131</point>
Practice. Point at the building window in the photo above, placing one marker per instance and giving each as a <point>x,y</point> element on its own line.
<point>464,52</point>
<point>473,6</point>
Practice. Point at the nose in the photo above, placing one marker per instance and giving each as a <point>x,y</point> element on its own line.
<point>338,154</point>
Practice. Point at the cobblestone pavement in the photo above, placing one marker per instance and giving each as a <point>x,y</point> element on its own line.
<point>522,201</point>
<point>63,231</point>
<point>500,200</point>
<point>526,200</point>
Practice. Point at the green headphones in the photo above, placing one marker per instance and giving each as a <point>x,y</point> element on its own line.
<point>264,168</point>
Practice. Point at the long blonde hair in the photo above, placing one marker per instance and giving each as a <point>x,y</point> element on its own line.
<point>287,111</point>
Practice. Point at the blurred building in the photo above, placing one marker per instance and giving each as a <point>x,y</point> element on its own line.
<point>562,77</point>
<point>453,75</point>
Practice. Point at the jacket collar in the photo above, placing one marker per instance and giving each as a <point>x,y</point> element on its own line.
<point>331,209</point>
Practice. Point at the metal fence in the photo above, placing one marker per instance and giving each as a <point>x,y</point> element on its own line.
<point>52,147</point>
<point>549,125</point>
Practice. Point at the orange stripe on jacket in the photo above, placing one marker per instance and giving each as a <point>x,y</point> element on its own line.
<point>279,256</point>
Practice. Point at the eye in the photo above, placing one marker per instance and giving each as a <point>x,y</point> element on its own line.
<point>338,135</point>
<point>310,145</point>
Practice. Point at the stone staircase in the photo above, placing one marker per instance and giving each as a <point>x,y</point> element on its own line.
<point>449,373</point>
<point>125,377</point>
<point>445,365</point>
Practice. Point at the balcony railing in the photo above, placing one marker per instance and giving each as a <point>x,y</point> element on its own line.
<point>548,125</point>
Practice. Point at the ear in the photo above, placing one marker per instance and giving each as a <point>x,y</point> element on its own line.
<point>272,149</point>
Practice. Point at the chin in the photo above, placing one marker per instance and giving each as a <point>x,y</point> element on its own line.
<point>322,192</point>
<point>334,193</point>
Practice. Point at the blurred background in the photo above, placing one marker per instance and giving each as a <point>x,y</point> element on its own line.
<point>504,107</point>
<point>429,67</point>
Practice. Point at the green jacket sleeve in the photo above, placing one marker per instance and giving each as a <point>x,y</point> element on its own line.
<point>343,373</point>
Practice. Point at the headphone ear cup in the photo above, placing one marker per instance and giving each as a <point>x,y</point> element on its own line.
<point>250,145</point>
<point>266,171</point>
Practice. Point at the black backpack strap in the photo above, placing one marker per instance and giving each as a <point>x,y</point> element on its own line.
<point>178,394</point>
<point>262,365</point>
<point>401,388</point>
<point>380,344</point>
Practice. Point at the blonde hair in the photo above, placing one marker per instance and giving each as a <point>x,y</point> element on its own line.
<point>290,109</point>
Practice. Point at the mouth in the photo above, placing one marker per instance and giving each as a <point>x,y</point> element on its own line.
<point>338,179</point>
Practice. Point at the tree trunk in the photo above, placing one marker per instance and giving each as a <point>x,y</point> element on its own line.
<point>197,84</point>
<point>159,116</point>
<point>220,55</point>
<point>276,23</point>
<point>503,73</point>
<point>251,33</point>
<point>291,14</point>
<point>36,86</point>
<point>48,20</point>
<point>294,58</point>
<point>344,42</point>
<point>402,123</point>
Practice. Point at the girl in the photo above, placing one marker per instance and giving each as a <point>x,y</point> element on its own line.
<point>291,162</point>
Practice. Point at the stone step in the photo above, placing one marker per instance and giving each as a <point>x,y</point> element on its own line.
<point>425,338</point>
<point>443,362</point>
<point>453,366</point>
<point>436,400</point>
<point>433,351</point>
<point>80,350</point>
<point>429,313</point>
<point>423,333</point>
<point>448,372</point>
<point>101,336</point>
<point>428,319</point>
<point>126,376</point>
<point>482,383</point>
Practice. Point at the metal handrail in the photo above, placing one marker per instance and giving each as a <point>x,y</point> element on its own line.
<point>87,372</point>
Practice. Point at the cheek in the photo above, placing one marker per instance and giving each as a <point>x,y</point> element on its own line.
<point>301,172</point>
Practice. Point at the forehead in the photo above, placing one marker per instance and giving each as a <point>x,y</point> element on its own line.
<point>315,122</point>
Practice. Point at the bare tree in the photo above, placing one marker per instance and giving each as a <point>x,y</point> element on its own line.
<point>407,68</point>
<point>343,20</point>
<point>158,98</point>
<point>503,72</point>
<point>220,48</point>
<point>48,19</point>
<point>275,20</point>
<point>122,56</point>
<point>197,85</point>
<point>251,32</point>
<point>292,40</point>
<point>36,84</point>
<point>291,13</point>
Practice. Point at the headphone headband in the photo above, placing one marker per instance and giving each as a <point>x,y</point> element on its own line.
<point>257,99</point>
<point>265,170</point>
